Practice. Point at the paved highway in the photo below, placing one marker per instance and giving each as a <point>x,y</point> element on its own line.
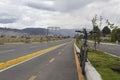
<point>58,64</point>
<point>108,47</point>
<point>11,51</point>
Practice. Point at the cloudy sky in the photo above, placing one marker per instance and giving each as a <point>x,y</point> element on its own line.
<point>59,13</point>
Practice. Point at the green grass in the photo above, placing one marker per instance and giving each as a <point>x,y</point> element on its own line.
<point>107,65</point>
<point>78,44</point>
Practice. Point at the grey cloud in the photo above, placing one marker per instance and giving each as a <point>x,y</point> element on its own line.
<point>7,21</point>
<point>40,6</point>
<point>59,13</point>
<point>6,18</point>
<point>70,5</point>
<point>60,5</point>
<point>9,13</point>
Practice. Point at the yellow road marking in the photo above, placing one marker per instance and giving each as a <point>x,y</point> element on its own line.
<point>51,60</point>
<point>32,78</point>
<point>80,75</point>
<point>59,53</point>
<point>12,62</point>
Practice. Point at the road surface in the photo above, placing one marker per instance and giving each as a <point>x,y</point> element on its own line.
<point>58,64</point>
<point>11,51</point>
<point>108,47</point>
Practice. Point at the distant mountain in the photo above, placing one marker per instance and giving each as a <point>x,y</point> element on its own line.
<point>64,32</point>
<point>10,29</point>
<point>35,31</point>
<point>11,32</point>
<point>43,31</point>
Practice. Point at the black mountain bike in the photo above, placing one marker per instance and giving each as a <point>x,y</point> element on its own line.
<point>83,51</point>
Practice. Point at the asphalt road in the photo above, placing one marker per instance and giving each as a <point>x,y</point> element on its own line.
<point>113,49</point>
<point>58,64</point>
<point>11,51</point>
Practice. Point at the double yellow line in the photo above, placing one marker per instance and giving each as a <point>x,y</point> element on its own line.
<point>26,57</point>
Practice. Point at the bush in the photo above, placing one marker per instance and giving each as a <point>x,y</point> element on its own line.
<point>115,35</point>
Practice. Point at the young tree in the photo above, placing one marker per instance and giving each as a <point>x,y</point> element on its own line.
<point>96,31</point>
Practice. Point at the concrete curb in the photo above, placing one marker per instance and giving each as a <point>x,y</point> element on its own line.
<point>90,72</point>
<point>77,49</point>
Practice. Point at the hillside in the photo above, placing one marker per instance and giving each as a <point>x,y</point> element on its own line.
<point>35,31</point>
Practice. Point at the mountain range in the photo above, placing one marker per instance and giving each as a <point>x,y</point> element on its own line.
<point>35,31</point>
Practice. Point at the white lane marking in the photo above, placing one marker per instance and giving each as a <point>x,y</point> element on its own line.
<point>112,54</point>
<point>59,53</point>
<point>33,46</point>
<point>25,61</point>
<point>51,60</point>
<point>109,54</point>
<point>7,51</point>
<point>110,48</point>
<point>106,43</point>
<point>20,63</point>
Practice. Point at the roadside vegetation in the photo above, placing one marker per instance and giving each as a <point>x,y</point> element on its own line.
<point>27,39</point>
<point>107,65</point>
<point>104,31</point>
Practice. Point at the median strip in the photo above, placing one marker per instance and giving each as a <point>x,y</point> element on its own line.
<point>108,66</point>
<point>12,62</point>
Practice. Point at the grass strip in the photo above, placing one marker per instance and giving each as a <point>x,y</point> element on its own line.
<point>107,65</point>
